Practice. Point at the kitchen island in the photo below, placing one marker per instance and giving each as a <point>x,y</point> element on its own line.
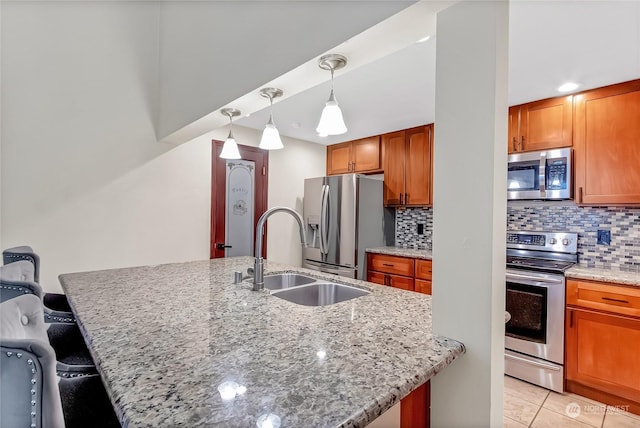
<point>166,337</point>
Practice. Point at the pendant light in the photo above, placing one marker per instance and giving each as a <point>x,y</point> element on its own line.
<point>270,136</point>
<point>230,148</point>
<point>331,120</point>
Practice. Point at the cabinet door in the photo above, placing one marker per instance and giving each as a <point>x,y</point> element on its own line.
<point>418,166</point>
<point>603,352</point>
<point>607,145</point>
<point>546,124</point>
<point>422,286</point>
<point>393,167</point>
<point>514,131</point>
<point>339,158</point>
<point>377,277</point>
<point>402,282</point>
<point>366,155</point>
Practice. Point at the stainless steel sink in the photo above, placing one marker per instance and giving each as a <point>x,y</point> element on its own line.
<point>320,294</point>
<point>286,280</point>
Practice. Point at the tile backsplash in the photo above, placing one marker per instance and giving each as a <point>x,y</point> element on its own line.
<point>407,220</point>
<point>622,222</point>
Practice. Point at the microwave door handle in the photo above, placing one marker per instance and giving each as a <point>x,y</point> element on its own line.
<point>542,176</point>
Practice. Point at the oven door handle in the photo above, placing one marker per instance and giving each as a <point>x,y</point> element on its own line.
<point>545,366</point>
<point>514,277</point>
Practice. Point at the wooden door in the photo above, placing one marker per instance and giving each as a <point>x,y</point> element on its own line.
<point>394,154</point>
<point>418,166</point>
<point>366,155</point>
<point>218,189</point>
<point>546,124</point>
<point>607,145</point>
<point>514,130</point>
<point>603,352</point>
<point>339,158</point>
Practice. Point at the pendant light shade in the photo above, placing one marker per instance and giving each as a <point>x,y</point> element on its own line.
<point>331,120</point>
<point>270,136</point>
<point>230,147</point>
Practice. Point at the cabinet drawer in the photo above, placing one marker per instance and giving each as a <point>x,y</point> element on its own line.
<point>605,297</point>
<point>423,270</point>
<point>391,264</point>
<point>422,286</point>
<point>402,282</point>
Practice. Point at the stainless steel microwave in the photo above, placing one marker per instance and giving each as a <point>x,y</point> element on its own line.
<point>540,175</point>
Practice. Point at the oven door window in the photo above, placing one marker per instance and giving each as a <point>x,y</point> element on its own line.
<point>527,305</point>
<point>523,176</point>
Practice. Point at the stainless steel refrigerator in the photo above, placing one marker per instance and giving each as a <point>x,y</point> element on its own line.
<point>343,215</point>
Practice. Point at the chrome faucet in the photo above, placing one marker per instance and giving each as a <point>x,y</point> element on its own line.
<point>258,266</point>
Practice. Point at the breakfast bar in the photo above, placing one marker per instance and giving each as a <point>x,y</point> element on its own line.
<point>181,344</point>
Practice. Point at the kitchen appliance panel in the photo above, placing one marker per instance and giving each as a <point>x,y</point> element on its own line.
<point>544,301</point>
<point>540,175</point>
<point>344,214</point>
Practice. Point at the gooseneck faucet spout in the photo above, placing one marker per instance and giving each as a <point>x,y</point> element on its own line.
<point>258,267</point>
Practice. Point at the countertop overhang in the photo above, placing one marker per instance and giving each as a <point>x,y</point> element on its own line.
<point>165,337</point>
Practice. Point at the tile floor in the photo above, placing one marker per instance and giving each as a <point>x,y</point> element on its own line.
<point>527,405</point>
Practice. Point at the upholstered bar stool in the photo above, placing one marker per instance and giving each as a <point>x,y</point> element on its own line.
<point>28,380</point>
<point>54,301</point>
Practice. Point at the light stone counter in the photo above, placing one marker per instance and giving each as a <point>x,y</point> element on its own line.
<point>402,252</point>
<point>165,337</point>
<point>604,275</point>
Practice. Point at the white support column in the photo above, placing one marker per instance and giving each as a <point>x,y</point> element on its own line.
<point>469,214</point>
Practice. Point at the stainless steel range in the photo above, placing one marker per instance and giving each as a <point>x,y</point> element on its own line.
<point>535,303</point>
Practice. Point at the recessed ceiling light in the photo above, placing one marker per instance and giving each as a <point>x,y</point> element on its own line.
<point>568,87</point>
<point>424,39</point>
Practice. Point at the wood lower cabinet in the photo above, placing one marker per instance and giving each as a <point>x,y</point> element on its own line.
<point>541,125</point>
<point>388,270</point>
<point>607,145</point>
<point>361,156</point>
<point>415,408</point>
<point>423,276</point>
<point>408,166</point>
<point>399,272</point>
<point>603,342</point>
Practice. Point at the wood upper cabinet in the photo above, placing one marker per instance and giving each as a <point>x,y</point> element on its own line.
<point>603,342</point>
<point>408,166</point>
<point>607,145</point>
<point>541,125</point>
<point>362,155</point>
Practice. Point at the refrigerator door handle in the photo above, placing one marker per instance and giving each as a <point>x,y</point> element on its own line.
<point>324,219</point>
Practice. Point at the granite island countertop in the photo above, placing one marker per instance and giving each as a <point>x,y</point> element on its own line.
<point>415,253</point>
<point>166,337</point>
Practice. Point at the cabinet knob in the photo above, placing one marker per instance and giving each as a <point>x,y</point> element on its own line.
<point>522,143</point>
<point>515,144</point>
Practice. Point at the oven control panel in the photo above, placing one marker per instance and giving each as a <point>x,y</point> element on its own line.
<point>561,242</point>
<point>526,239</point>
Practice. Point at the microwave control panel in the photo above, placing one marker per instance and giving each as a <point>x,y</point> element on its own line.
<point>556,174</point>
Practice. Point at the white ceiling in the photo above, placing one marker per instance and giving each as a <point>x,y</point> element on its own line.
<point>550,42</point>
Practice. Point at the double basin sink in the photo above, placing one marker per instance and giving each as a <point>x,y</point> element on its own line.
<point>308,291</point>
